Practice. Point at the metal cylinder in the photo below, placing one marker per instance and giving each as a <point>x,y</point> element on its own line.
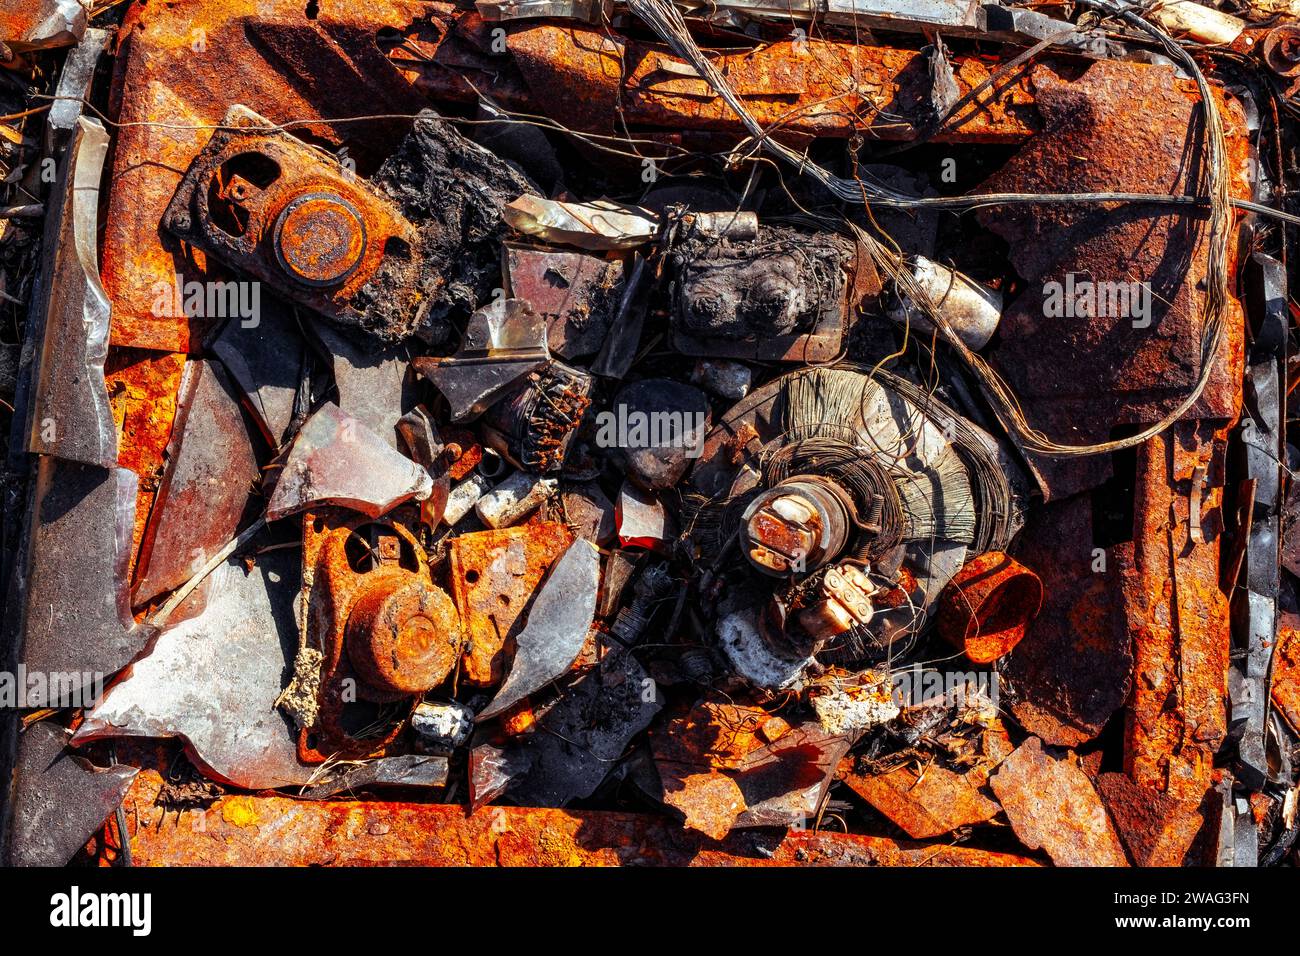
<point>972,310</point>
<point>796,526</point>
<point>403,635</point>
<point>319,239</point>
<point>985,608</point>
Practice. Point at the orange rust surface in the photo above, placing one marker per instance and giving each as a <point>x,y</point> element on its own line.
<point>280,831</point>
<point>1178,616</point>
<point>142,394</point>
<point>924,798</point>
<point>984,609</point>
<point>493,577</point>
<point>814,87</point>
<point>1121,372</point>
<point>720,760</point>
<point>923,802</point>
<point>1051,803</point>
<point>181,66</point>
<point>334,587</point>
<point>1156,829</point>
<point>1286,669</point>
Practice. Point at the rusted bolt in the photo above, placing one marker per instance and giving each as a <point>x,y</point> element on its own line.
<point>403,635</point>
<point>319,239</point>
<point>984,609</point>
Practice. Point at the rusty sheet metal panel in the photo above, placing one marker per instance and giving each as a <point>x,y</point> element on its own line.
<point>211,468</point>
<point>178,70</point>
<point>927,801</point>
<point>1125,369</point>
<point>1178,616</point>
<point>59,798</point>
<point>1286,670</point>
<point>1155,828</point>
<point>69,413</point>
<point>493,576</point>
<point>1052,804</point>
<point>143,392</point>
<point>74,622</point>
<point>576,74</point>
<point>1074,668</point>
<point>279,831</point>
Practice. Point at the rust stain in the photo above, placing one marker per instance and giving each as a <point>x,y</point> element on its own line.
<point>1286,669</point>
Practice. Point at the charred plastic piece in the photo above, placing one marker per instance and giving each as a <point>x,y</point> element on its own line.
<point>580,740</point>
<point>504,342</point>
<point>723,377</point>
<point>455,190</point>
<point>779,297</point>
<point>268,204</point>
<point>534,426</point>
<point>655,584</point>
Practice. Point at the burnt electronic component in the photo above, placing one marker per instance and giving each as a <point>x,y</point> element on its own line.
<point>304,222</point>
<point>270,205</point>
<point>781,296</point>
<point>533,426</point>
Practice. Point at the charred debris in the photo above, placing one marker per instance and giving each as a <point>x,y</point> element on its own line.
<point>739,432</point>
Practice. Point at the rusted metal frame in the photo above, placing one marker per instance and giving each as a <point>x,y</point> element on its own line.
<point>1178,616</point>
<point>280,831</point>
<point>583,78</point>
<point>175,79</point>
